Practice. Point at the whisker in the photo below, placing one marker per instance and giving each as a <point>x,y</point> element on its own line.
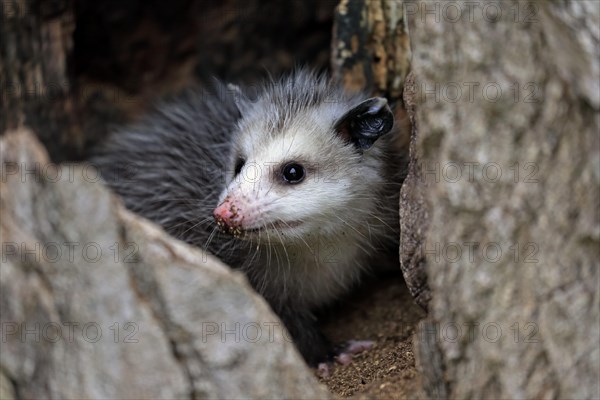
<point>287,256</point>
<point>210,237</point>
<point>350,226</point>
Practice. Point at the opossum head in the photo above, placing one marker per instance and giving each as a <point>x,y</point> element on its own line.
<point>304,162</point>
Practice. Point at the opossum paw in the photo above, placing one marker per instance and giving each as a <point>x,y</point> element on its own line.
<point>345,351</point>
<point>342,354</point>
<point>323,370</point>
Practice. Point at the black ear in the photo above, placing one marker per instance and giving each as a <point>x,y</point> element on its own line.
<point>366,122</point>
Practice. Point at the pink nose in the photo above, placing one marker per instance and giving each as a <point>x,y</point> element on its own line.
<point>223,212</point>
<point>227,216</point>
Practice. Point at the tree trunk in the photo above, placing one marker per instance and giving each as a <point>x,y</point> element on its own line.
<point>36,42</point>
<point>508,131</point>
<point>370,49</point>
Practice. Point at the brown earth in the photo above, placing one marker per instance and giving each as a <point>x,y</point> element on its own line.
<point>382,311</point>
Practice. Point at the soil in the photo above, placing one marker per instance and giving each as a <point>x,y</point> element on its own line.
<point>382,311</point>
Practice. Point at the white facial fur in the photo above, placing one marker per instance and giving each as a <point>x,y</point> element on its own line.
<point>337,184</point>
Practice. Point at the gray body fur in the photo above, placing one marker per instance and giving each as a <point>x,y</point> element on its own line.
<point>175,166</point>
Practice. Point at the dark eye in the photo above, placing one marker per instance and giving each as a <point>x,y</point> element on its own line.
<point>239,164</point>
<point>293,172</point>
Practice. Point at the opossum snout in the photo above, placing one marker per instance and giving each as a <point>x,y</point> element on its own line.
<point>228,217</point>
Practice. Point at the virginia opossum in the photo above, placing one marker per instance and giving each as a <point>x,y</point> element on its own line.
<point>298,187</point>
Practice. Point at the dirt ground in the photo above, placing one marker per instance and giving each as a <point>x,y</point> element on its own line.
<point>382,311</point>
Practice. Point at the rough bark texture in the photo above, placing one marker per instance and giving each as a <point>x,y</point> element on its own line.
<point>36,41</point>
<point>414,214</point>
<point>370,48</point>
<point>513,191</point>
<point>98,303</point>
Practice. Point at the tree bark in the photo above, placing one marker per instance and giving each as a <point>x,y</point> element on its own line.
<point>36,42</point>
<point>370,48</point>
<point>508,131</point>
<point>414,212</point>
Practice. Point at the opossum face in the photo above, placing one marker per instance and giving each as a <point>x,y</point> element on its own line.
<point>313,173</point>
